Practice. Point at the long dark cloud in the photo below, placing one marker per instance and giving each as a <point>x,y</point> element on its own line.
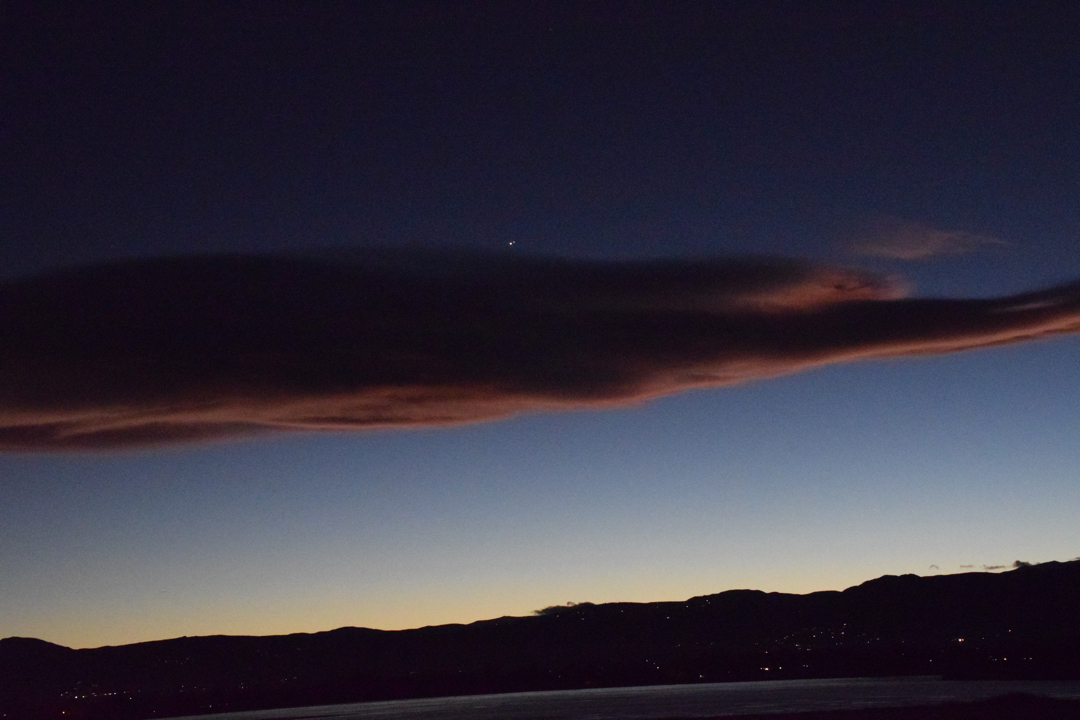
<point>179,349</point>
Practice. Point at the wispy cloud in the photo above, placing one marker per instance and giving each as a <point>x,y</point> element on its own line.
<point>1016,565</point>
<point>899,239</point>
<point>182,349</point>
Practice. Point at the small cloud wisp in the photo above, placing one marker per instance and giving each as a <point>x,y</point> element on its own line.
<point>148,352</point>
<point>898,239</point>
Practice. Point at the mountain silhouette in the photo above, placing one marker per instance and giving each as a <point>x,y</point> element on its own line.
<point>1021,624</point>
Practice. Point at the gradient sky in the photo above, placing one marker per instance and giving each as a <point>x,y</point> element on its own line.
<point>603,131</point>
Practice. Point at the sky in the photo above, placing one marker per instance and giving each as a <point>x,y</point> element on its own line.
<point>399,314</point>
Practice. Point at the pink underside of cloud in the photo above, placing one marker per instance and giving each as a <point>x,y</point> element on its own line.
<point>830,315</point>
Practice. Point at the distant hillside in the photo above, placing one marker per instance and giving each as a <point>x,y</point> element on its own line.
<point>1020,624</point>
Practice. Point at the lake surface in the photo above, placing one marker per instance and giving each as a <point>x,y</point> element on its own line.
<point>667,701</point>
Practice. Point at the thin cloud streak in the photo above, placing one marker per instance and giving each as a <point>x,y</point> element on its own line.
<point>898,239</point>
<point>200,348</point>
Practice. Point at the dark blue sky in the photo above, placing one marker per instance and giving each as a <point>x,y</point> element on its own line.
<point>597,130</point>
<point>600,129</point>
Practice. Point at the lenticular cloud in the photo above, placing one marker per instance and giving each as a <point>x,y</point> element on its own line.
<point>197,348</point>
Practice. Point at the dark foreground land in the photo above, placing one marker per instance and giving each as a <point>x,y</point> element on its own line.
<point>1023,624</point>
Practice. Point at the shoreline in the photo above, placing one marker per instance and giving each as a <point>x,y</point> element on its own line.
<point>1014,706</point>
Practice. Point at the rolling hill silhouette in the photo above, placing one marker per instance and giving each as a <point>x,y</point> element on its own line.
<point>1021,624</point>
